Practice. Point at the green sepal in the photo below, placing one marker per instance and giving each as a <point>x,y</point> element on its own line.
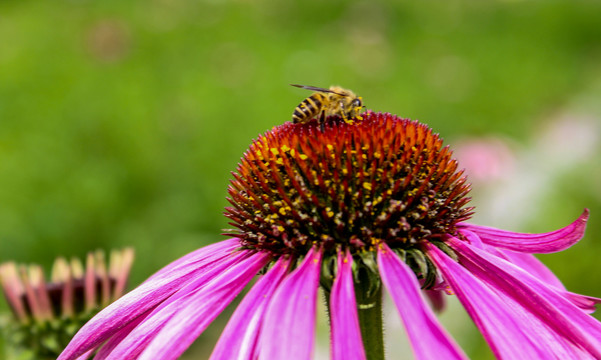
<point>366,272</point>
<point>329,269</point>
<point>442,246</point>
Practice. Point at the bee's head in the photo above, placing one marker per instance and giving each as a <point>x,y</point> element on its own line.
<point>357,102</point>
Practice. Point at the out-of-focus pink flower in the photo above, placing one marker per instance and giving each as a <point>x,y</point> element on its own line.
<point>485,159</point>
<point>48,313</point>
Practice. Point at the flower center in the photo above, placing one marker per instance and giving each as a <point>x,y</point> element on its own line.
<point>352,186</point>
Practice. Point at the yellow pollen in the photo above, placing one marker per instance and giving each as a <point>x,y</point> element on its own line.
<point>367,186</point>
<point>303,156</point>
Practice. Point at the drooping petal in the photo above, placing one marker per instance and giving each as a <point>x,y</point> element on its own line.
<point>140,337</point>
<point>201,309</point>
<point>536,268</point>
<point>239,338</point>
<point>108,347</point>
<point>585,303</point>
<point>499,323</point>
<point>541,334</point>
<point>198,256</point>
<point>85,355</point>
<point>144,298</point>
<point>346,333</point>
<point>532,243</point>
<point>555,310</point>
<point>428,338</point>
<point>531,264</point>
<point>288,330</point>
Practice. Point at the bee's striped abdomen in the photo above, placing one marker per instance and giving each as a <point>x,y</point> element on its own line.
<point>308,109</point>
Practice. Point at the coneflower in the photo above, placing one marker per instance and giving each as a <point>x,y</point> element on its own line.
<point>356,209</point>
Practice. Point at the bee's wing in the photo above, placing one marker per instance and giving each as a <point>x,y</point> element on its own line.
<point>315,88</point>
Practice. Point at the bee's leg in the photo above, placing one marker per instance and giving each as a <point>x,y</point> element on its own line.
<point>355,113</point>
<point>357,109</point>
<point>322,121</point>
<point>344,114</point>
<point>343,111</point>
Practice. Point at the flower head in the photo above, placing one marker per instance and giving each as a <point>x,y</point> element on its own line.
<point>47,314</point>
<point>355,208</point>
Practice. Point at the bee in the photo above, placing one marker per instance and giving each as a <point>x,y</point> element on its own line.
<point>327,102</point>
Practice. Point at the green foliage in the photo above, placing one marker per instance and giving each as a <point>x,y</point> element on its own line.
<point>42,339</point>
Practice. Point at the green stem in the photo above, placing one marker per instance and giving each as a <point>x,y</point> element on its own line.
<point>369,308</point>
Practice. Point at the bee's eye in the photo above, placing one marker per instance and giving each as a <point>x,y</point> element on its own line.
<point>357,102</point>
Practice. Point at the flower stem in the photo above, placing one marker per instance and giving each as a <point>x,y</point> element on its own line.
<point>369,308</point>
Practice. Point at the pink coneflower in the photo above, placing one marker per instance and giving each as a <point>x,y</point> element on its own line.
<point>48,313</point>
<point>356,209</point>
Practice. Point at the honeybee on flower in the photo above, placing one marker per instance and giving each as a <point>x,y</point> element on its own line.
<point>328,102</point>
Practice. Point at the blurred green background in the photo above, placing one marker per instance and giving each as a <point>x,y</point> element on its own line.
<point>121,120</point>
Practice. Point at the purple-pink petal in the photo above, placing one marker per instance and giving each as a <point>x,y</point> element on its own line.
<point>111,343</point>
<point>585,303</point>
<point>198,256</point>
<point>239,338</point>
<point>499,323</point>
<point>531,264</point>
<point>536,268</point>
<point>346,333</point>
<point>144,298</point>
<point>196,312</point>
<point>428,338</point>
<point>288,330</point>
<point>85,355</point>
<point>532,243</point>
<point>140,337</point>
<point>536,296</point>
